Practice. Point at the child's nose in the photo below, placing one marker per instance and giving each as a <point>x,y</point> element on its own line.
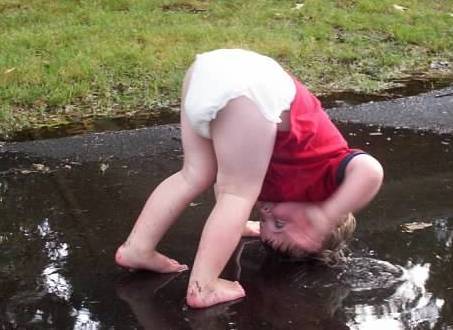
<point>266,207</point>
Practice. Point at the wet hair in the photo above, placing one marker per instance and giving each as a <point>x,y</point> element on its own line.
<point>333,252</point>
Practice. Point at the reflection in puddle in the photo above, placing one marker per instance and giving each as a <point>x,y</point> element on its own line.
<point>51,283</point>
<point>54,282</point>
<point>411,305</point>
<point>83,320</point>
<point>441,232</point>
<point>57,269</point>
<point>3,190</point>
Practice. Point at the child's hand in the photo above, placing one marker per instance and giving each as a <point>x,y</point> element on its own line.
<point>305,224</point>
<point>316,225</point>
<point>251,229</point>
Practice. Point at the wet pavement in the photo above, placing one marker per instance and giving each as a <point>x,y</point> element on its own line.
<point>66,204</point>
<point>431,111</point>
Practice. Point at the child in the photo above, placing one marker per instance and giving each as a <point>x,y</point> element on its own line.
<point>255,131</point>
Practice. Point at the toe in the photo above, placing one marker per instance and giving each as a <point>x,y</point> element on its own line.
<point>175,266</point>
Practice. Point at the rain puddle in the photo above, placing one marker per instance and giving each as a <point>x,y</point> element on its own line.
<point>62,219</point>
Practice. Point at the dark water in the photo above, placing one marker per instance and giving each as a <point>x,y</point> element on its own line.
<point>60,227</point>
<point>146,118</point>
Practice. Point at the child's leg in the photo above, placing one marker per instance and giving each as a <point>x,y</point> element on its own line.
<point>167,201</point>
<point>243,142</point>
<point>251,228</point>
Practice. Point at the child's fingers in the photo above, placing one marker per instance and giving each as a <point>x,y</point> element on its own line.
<point>252,229</point>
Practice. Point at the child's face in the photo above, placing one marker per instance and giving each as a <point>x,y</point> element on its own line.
<point>302,229</point>
<point>274,231</point>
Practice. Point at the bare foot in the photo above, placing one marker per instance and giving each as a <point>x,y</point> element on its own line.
<point>252,229</point>
<point>221,291</point>
<point>128,257</point>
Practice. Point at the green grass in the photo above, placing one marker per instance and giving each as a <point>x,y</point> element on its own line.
<point>65,59</point>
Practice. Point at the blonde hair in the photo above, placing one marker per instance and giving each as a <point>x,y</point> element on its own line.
<point>334,249</point>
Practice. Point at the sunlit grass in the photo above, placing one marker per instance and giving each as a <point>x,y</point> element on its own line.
<point>109,56</point>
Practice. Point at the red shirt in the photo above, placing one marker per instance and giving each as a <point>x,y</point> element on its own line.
<point>305,159</point>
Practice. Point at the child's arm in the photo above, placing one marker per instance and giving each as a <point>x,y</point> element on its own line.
<point>309,224</point>
<point>363,178</point>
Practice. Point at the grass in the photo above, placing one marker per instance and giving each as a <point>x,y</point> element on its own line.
<point>63,60</point>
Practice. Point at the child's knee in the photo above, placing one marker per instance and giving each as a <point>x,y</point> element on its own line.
<point>198,178</point>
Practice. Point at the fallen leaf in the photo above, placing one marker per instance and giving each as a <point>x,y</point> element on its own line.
<point>9,70</point>
<point>40,168</point>
<point>298,6</point>
<point>410,227</point>
<point>400,8</point>
<point>103,168</point>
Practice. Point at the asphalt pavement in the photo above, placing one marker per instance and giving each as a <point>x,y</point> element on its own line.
<point>431,111</point>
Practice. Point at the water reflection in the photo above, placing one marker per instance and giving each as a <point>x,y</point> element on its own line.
<point>288,296</point>
<point>59,231</point>
<point>83,320</point>
<point>30,306</point>
<point>442,233</point>
<point>411,305</point>
<point>141,292</point>
<point>54,282</point>
<point>422,301</point>
<point>3,190</point>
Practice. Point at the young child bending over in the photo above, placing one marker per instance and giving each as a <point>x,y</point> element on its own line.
<point>258,134</point>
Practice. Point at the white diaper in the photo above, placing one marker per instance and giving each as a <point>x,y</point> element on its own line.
<point>224,74</point>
